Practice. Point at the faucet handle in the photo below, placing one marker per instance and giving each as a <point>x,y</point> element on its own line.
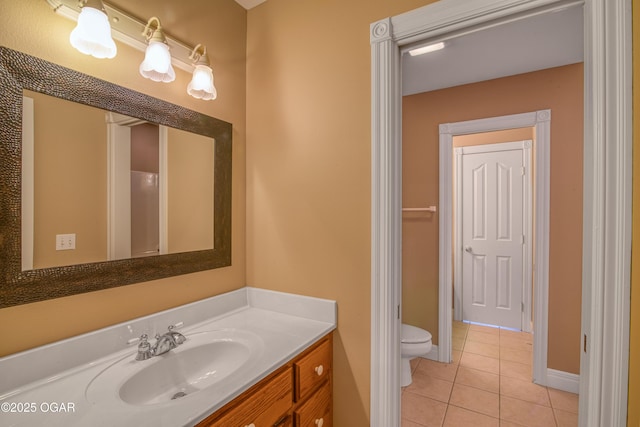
<point>144,348</point>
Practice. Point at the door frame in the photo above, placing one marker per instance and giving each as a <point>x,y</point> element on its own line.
<point>541,121</point>
<point>607,193</point>
<point>119,185</point>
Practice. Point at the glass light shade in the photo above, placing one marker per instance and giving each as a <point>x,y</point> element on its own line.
<point>201,85</point>
<point>92,35</point>
<point>157,63</point>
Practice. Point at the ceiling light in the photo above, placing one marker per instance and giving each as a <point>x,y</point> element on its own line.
<point>201,85</point>
<point>426,49</point>
<point>92,35</point>
<point>157,59</point>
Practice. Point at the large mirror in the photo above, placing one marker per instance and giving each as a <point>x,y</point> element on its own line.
<point>116,186</point>
<point>194,152</point>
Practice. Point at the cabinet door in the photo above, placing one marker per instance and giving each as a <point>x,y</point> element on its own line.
<point>265,407</point>
<point>312,369</point>
<point>317,411</point>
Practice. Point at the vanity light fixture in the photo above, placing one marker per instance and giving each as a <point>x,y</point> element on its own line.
<point>157,59</point>
<point>92,35</point>
<point>162,52</point>
<point>426,49</point>
<point>201,85</point>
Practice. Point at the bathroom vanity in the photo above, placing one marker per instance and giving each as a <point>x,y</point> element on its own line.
<point>251,358</point>
<point>298,394</point>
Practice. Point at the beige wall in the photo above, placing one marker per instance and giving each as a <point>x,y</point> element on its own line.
<point>559,89</point>
<point>308,168</point>
<point>420,231</point>
<point>70,181</point>
<point>33,28</point>
<point>495,137</point>
<point>190,172</point>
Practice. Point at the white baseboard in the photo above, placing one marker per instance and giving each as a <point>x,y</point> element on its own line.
<point>564,381</point>
<point>559,380</point>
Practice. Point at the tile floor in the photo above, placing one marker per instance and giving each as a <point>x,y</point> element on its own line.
<point>488,384</point>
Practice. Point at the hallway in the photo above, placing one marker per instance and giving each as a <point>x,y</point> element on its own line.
<point>488,384</point>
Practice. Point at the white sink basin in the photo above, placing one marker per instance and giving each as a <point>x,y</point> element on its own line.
<point>205,359</point>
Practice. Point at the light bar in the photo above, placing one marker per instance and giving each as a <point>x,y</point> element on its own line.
<point>426,49</point>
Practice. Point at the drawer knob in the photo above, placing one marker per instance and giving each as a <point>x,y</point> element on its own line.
<point>319,422</point>
<point>319,370</point>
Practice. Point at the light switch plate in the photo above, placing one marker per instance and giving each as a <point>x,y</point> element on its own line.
<point>65,242</point>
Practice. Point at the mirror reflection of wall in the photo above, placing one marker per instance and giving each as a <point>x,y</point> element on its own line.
<point>74,185</point>
<point>190,187</point>
<point>69,181</point>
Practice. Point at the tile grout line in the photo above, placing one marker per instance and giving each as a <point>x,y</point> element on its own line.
<point>553,411</point>
<point>463,351</point>
<point>455,379</point>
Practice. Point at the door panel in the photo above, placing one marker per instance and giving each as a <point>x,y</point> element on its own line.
<point>479,203</point>
<point>504,202</point>
<point>503,282</point>
<point>492,235</point>
<point>479,286</point>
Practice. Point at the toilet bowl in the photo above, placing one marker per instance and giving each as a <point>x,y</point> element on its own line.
<point>415,342</point>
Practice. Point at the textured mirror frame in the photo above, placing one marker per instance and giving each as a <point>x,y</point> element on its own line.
<point>19,71</point>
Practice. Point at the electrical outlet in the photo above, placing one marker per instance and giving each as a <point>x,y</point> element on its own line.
<point>65,242</point>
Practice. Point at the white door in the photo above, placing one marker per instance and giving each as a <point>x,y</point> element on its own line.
<point>493,200</point>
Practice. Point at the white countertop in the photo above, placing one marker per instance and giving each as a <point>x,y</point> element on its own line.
<point>51,381</point>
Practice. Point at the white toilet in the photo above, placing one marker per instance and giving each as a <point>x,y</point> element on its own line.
<point>415,342</point>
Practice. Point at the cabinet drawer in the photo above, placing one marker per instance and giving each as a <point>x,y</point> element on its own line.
<point>312,369</point>
<point>263,407</point>
<point>317,411</point>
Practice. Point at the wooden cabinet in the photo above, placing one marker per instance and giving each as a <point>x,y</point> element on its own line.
<point>263,406</point>
<point>296,395</point>
<point>312,369</point>
<point>317,410</point>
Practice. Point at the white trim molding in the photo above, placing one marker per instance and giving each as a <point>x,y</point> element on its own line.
<point>606,261</point>
<point>564,381</point>
<point>163,188</point>
<point>607,190</point>
<point>386,226</point>
<point>541,121</point>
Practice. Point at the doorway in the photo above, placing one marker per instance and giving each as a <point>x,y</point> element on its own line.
<point>136,187</point>
<point>145,190</point>
<point>540,122</point>
<point>607,204</point>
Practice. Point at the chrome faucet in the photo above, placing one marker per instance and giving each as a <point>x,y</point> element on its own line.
<point>177,336</point>
<point>165,342</point>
